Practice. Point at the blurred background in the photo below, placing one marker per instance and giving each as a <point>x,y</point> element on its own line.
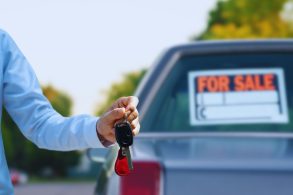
<point>88,53</point>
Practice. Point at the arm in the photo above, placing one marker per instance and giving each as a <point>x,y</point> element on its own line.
<point>32,112</point>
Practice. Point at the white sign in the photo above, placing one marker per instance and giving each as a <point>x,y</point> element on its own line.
<point>237,96</point>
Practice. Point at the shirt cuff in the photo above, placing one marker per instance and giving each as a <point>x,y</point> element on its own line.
<point>90,133</point>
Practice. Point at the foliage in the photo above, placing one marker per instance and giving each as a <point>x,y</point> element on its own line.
<point>238,19</point>
<point>60,101</point>
<point>23,154</point>
<point>125,87</point>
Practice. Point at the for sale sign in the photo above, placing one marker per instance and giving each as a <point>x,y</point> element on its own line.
<point>237,96</point>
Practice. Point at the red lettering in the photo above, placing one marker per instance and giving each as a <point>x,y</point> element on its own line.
<point>254,82</point>
<point>238,81</point>
<point>224,83</point>
<point>249,83</point>
<point>269,82</point>
<point>241,83</point>
<point>201,84</point>
<point>212,84</point>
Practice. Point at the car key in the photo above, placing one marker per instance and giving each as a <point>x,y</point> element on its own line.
<point>124,138</point>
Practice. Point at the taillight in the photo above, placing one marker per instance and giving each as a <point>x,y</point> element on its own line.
<point>144,180</point>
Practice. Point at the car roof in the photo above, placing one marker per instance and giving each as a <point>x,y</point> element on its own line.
<point>234,46</point>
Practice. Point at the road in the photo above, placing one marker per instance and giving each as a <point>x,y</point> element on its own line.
<point>56,189</point>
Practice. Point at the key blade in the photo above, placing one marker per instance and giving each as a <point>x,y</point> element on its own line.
<point>129,160</point>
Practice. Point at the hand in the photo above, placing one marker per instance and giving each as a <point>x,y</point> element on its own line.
<point>122,106</point>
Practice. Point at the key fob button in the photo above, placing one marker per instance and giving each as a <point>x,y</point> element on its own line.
<point>123,134</point>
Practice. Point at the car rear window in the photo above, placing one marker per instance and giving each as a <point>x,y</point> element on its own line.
<point>239,92</point>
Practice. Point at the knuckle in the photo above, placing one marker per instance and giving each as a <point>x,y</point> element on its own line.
<point>136,113</point>
<point>134,124</point>
<point>136,130</point>
<point>121,98</point>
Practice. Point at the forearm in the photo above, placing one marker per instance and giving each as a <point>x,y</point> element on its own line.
<point>55,132</point>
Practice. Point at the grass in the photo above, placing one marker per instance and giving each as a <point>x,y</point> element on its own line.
<point>35,179</point>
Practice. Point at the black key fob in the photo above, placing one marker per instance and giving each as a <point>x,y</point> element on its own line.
<point>123,133</point>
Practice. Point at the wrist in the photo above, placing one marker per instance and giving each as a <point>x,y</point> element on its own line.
<point>102,139</point>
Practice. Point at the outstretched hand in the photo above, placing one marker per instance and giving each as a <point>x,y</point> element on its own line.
<point>124,106</point>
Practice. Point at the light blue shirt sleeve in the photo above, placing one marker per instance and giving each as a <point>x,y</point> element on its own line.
<point>32,112</point>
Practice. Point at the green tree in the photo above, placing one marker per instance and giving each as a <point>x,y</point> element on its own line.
<point>239,19</point>
<point>125,87</point>
<point>23,154</point>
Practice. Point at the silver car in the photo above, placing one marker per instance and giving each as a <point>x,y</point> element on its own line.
<point>215,119</point>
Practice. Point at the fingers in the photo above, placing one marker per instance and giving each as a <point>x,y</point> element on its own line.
<point>134,123</point>
<point>135,126</point>
<point>114,115</point>
<point>136,130</point>
<point>132,116</point>
<point>132,103</point>
<point>129,103</point>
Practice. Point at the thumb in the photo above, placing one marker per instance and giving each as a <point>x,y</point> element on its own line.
<point>114,115</point>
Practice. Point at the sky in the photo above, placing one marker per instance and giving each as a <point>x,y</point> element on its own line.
<point>82,46</point>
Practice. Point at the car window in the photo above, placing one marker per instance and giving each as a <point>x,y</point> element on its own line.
<point>172,107</point>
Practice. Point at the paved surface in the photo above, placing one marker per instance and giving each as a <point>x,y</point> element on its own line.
<point>55,189</point>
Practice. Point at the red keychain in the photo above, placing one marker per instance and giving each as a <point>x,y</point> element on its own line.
<point>121,164</point>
